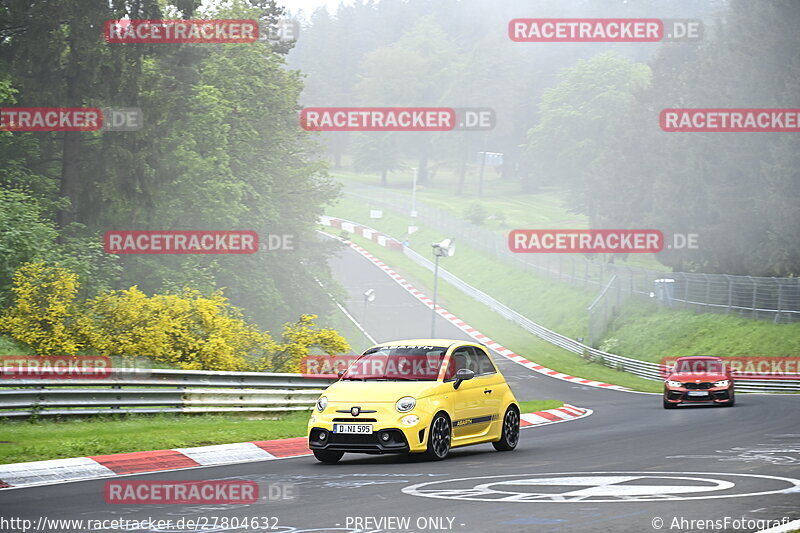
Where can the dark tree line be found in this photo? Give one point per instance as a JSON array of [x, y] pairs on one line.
[[221, 148]]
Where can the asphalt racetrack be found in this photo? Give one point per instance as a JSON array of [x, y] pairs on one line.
[[629, 467]]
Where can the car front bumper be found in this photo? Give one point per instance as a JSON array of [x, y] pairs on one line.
[[678, 395], [389, 434], [389, 440]]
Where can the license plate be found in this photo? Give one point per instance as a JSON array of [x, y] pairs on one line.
[[361, 429], [698, 393]]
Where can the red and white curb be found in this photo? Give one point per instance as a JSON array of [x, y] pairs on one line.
[[450, 317], [102, 466], [553, 416], [19, 475], [363, 231]]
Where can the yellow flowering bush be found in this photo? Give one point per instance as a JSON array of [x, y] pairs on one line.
[[44, 314], [299, 339], [186, 330]]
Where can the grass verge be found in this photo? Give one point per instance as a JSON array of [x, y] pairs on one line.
[[532, 406], [651, 333], [40, 439]]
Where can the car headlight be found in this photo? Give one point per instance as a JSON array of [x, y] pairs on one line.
[[672, 383], [410, 420], [722, 383], [405, 404], [322, 403]]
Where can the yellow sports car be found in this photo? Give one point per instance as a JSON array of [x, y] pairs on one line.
[[416, 396]]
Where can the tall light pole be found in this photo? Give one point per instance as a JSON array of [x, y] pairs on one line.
[[446, 248]]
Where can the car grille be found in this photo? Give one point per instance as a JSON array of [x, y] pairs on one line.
[[354, 420], [355, 442], [698, 386], [354, 438]]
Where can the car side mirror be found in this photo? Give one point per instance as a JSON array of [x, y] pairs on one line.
[[340, 373], [463, 375]]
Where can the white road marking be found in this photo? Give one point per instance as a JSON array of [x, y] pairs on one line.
[[602, 487]]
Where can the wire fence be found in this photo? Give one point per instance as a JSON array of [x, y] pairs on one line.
[[765, 298], [604, 309]]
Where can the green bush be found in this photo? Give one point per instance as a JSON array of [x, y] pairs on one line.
[[476, 213]]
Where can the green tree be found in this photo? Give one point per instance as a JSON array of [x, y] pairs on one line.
[[576, 117], [737, 191], [25, 236], [377, 152]]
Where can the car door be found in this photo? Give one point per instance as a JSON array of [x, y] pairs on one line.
[[492, 382], [472, 404]]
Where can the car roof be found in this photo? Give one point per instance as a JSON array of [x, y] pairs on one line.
[[439, 343]]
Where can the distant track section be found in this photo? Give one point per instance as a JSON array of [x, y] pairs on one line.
[[644, 369]]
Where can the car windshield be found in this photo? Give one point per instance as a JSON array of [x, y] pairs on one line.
[[699, 366], [397, 363]]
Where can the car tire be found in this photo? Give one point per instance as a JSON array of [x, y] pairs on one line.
[[439, 437], [669, 405], [329, 457], [510, 434]]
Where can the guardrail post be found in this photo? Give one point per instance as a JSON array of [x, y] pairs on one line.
[[118, 387], [780, 301], [685, 291], [730, 292]]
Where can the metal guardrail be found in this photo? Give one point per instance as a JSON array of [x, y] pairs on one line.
[[160, 391]]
